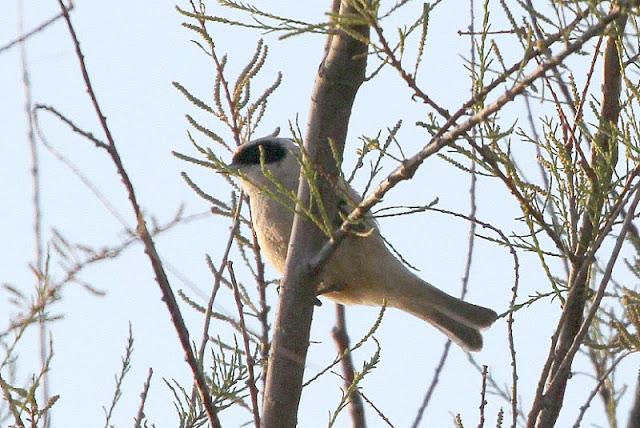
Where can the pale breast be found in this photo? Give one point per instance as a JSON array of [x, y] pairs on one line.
[[273, 227]]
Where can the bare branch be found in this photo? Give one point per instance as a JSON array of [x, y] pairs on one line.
[[143, 399], [341, 338], [432, 385], [483, 398], [247, 348], [601, 380], [218, 279], [150, 249]]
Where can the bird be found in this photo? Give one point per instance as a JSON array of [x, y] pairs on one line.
[[362, 270]]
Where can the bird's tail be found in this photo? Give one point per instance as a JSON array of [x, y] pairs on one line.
[[459, 320]]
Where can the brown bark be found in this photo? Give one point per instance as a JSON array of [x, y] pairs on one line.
[[339, 77]]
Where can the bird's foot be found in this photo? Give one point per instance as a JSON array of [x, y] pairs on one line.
[[324, 289], [332, 288]]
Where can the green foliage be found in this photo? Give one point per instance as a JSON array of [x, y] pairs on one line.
[[629, 331], [22, 402], [263, 20]]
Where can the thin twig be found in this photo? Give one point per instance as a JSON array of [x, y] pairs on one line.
[[341, 338], [263, 314], [235, 128], [496, 389], [545, 177], [23, 37], [119, 378], [511, 339], [577, 341], [377, 410], [606, 389], [75, 128], [111, 252], [143, 399], [556, 73], [601, 380], [35, 166], [530, 54], [217, 280], [78, 173], [483, 392], [253, 389], [432, 385], [578, 272], [359, 344], [510, 320], [20, 323]]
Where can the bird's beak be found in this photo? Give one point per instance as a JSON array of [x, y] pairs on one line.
[[228, 169], [231, 168]]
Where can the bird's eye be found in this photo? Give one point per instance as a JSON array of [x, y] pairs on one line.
[[273, 152]]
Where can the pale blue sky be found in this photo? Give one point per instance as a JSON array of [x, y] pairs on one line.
[[134, 50]]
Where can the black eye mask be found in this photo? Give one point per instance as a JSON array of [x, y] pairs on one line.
[[250, 155]]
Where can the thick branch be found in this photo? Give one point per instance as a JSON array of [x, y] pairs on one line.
[[339, 77]]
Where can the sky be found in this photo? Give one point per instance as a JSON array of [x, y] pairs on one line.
[[134, 51]]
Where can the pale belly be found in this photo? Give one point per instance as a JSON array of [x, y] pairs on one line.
[[352, 274]]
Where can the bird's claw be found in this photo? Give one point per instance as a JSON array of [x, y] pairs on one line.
[[324, 289]]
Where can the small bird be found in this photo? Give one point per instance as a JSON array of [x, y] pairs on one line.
[[362, 270]]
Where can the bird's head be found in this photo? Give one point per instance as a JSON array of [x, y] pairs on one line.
[[259, 162]]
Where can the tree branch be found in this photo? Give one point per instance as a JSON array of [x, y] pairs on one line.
[[251, 381], [341, 337], [340, 75]]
